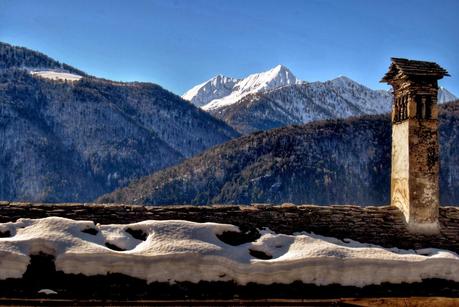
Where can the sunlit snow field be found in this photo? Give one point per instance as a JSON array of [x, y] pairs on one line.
[[55, 75]]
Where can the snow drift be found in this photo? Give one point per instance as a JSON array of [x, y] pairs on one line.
[[173, 251]]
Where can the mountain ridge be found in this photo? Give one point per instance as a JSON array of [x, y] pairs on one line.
[[238, 88], [22, 57], [294, 101], [279, 71], [339, 161], [74, 140]]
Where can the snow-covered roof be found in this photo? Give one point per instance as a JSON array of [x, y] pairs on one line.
[[170, 251]]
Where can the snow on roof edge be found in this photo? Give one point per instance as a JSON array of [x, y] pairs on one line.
[[188, 251]]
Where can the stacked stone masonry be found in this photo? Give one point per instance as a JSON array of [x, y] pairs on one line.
[[383, 226], [415, 150]]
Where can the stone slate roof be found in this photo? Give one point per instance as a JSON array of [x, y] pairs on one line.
[[384, 225], [400, 66]]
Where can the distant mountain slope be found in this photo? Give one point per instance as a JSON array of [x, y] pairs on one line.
[[73, 141], [328, 162], [276, 98], [20, 57], [302, 103]]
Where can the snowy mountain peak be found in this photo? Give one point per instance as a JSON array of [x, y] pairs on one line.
[[271, 79], [343, 81], [222, 91], [445, 96], [215, 88], [282, 71], [343, 78], [280, 67], [221, 79]]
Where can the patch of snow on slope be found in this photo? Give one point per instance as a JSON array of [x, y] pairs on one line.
[[187, 251], [56, 75], [255, 83]]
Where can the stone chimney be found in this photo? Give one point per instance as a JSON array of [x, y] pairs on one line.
[[415, 151]]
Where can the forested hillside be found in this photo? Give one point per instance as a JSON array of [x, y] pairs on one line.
[[327, 162], [75, 140]]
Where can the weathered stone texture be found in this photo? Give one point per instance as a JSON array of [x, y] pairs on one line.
[[384, 226], [415, 154], [400, 167]]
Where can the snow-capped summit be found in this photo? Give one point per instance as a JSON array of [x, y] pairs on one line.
[[215, 88], [268, 80], [445, 96], [295, 101], [342, 81], [223, 91]]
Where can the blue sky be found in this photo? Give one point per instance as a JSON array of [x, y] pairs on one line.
[[178, 44]]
